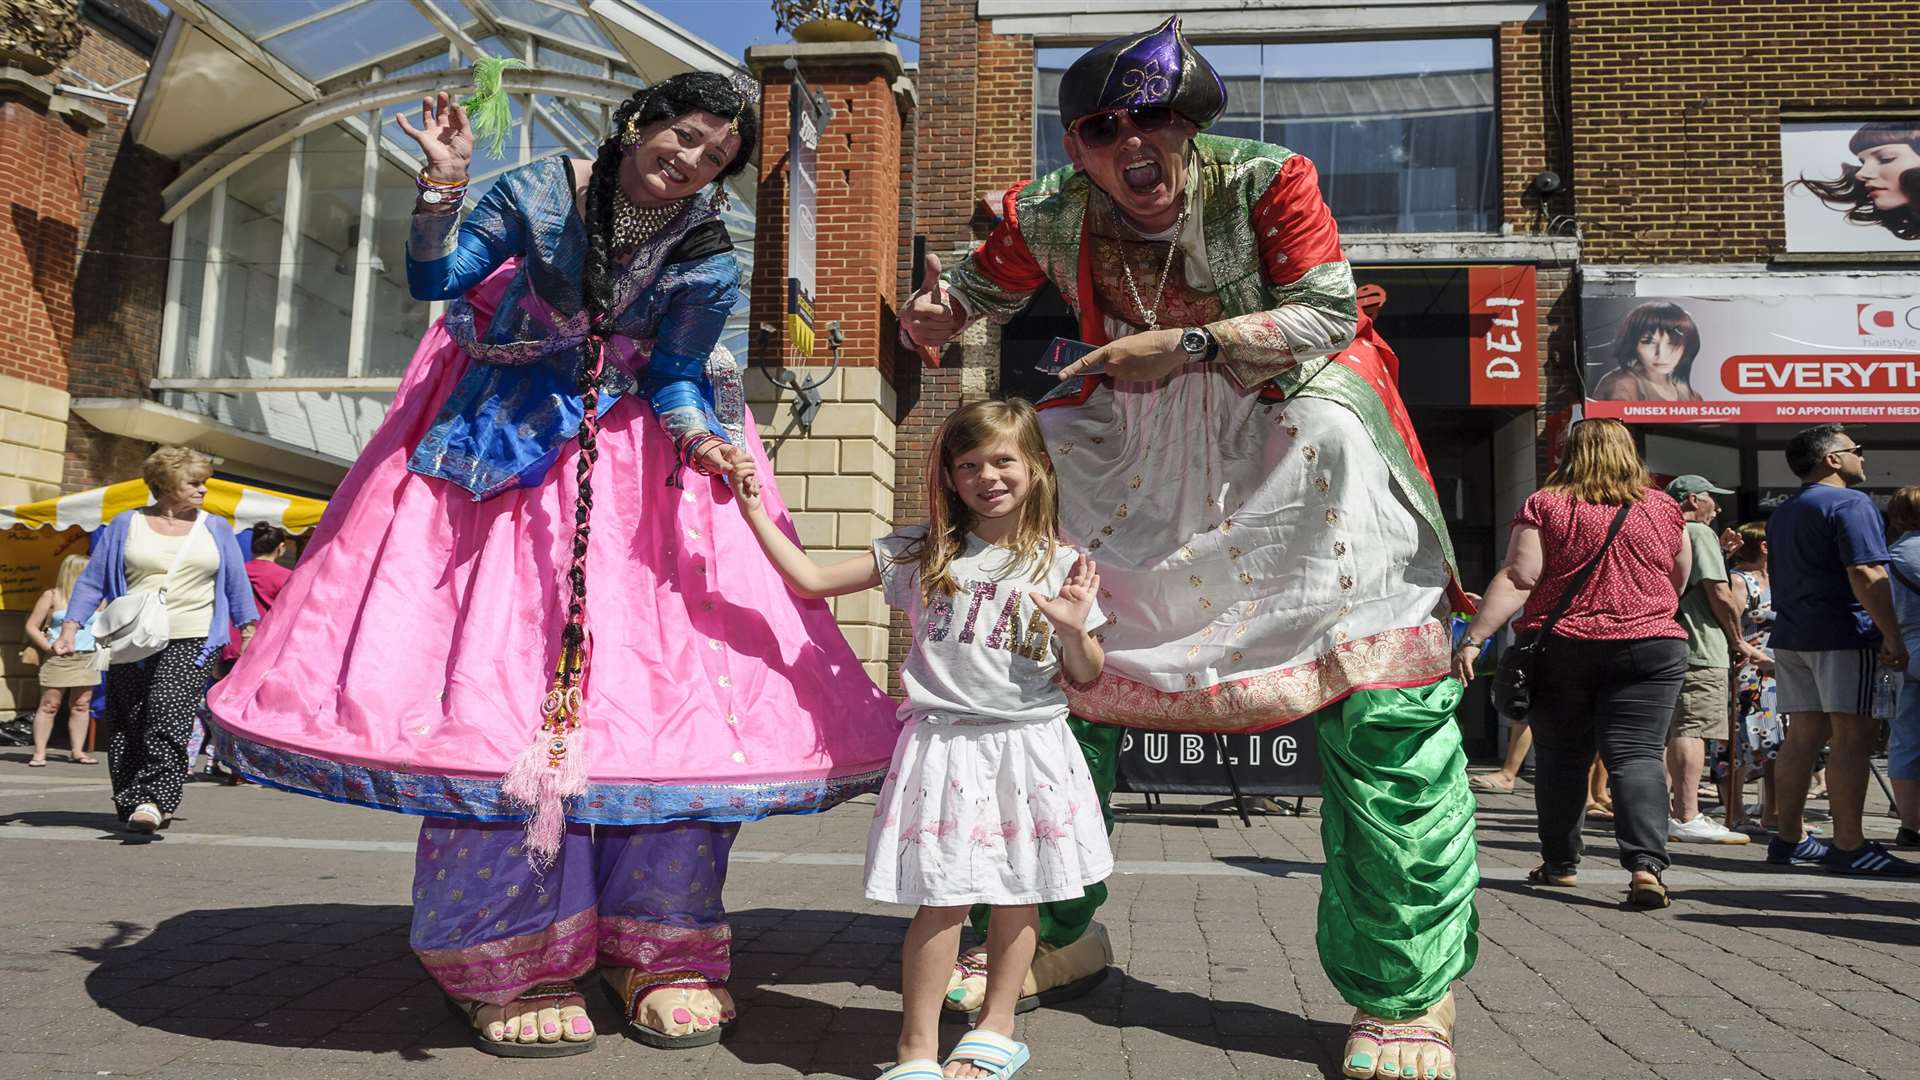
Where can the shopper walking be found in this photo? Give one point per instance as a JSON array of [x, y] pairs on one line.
[[191, 558], [1601, 556]]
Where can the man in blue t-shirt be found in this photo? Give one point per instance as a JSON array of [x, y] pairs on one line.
[[1833, 630]]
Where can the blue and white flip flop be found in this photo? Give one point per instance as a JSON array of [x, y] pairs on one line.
[[999, 1055], [917, 1069]]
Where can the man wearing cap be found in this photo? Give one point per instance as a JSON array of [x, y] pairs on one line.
[[1237, 459], [1705, 708]]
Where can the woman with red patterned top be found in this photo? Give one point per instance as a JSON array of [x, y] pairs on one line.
[[1617, 654]]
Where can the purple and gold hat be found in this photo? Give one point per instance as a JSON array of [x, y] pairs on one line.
[[1157, 68]]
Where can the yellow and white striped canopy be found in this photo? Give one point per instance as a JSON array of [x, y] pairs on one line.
[[242, 504]]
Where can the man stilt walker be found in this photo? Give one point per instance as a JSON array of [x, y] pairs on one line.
[[1237, 458]]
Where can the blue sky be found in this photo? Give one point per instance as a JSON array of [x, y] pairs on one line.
[[735, 24]]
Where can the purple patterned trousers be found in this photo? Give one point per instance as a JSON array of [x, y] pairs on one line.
[[488, 928]]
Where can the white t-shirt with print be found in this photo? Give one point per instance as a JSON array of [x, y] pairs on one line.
[[985, 653]]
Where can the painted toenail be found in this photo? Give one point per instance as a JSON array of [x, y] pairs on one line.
[[957, 994], [581, 1025], [682, 1016], [1390, 1068], [551, 1028], [1360, 1060]]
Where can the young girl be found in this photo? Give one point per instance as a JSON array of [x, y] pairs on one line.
[[988, 799], [74, 675]]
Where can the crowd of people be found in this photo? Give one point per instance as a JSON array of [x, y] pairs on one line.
[[1690, 663]]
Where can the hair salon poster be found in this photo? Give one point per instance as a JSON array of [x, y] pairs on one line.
[[1851, 184], [1802, 350]]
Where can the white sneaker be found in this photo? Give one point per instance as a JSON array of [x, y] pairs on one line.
[[145, 818], [1703, 831]]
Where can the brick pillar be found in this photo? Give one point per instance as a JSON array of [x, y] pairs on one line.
[[838, 475], [43, 155]]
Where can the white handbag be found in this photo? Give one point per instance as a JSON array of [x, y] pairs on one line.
[[134, 627]]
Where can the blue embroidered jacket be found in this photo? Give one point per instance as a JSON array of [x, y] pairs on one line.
[[517, 406]]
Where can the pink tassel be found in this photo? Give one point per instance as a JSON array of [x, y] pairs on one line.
[[552, 769]]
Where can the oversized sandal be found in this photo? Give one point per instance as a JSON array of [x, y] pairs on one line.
[[654, 1037], [1092, 951], [1000, 1056], [1358, 1062], [514, 1048]]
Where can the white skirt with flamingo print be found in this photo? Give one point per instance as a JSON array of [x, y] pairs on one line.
[[981, 812]]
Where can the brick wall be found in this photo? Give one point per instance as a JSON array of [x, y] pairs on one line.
[[43, 155], [944, 181], [1530, 62], [1003, 94], [858, 199], [120, 283], [1677, 105]]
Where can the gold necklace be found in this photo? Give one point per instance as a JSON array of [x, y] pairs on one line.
[[634, 225], [1152, 314]]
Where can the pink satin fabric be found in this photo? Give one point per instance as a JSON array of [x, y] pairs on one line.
[[420, 631]]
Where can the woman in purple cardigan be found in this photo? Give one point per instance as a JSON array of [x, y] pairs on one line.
[[151, 703]]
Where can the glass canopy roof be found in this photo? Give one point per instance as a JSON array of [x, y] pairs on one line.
[[326, 40]]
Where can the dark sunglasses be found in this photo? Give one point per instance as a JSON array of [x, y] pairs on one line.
[[1101, 129], [1857, 450]]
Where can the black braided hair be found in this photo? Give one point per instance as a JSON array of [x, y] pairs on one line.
[[694, 91]]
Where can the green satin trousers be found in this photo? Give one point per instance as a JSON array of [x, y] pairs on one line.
[[1397, 922]]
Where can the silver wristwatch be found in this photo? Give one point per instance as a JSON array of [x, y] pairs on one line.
[[1198, 344], [434, 196]]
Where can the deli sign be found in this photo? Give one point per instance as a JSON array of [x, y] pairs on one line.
[[1465, 334], [1800, 350]]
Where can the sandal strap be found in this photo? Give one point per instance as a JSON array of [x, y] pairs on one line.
[[1417, 1033], [985, 1049], [548, 991], [640, 994], [1375, 1032], [917, 1069], [1370, 1030]]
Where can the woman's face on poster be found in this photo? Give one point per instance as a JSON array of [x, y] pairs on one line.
[[1880, 170], [1659, 353]]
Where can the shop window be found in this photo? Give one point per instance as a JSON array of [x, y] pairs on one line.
[[1402, 132]]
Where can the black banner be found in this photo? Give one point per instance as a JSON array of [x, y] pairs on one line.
[[1284, 761]]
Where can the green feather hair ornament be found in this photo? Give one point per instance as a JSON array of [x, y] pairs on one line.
[[488, 109]]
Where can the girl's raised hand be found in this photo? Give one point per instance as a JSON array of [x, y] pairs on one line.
[[1068, 611], [444, 135]]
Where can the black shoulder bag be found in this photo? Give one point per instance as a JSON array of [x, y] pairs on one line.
[[1513, 682]]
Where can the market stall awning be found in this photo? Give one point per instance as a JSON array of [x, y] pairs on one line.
[[242, 504]]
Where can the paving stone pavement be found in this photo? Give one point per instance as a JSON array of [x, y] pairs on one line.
[[264, 936]]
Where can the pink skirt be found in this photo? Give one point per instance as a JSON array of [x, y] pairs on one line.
[[405, 662]]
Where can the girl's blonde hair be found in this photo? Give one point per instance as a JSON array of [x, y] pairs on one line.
[[1035, 536], [171, 468], [71, 568], [1601, 465]]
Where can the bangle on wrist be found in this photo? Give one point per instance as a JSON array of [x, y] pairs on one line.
[[427, 179]]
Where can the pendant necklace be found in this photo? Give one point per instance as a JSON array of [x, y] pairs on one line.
[[1152, 314]]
